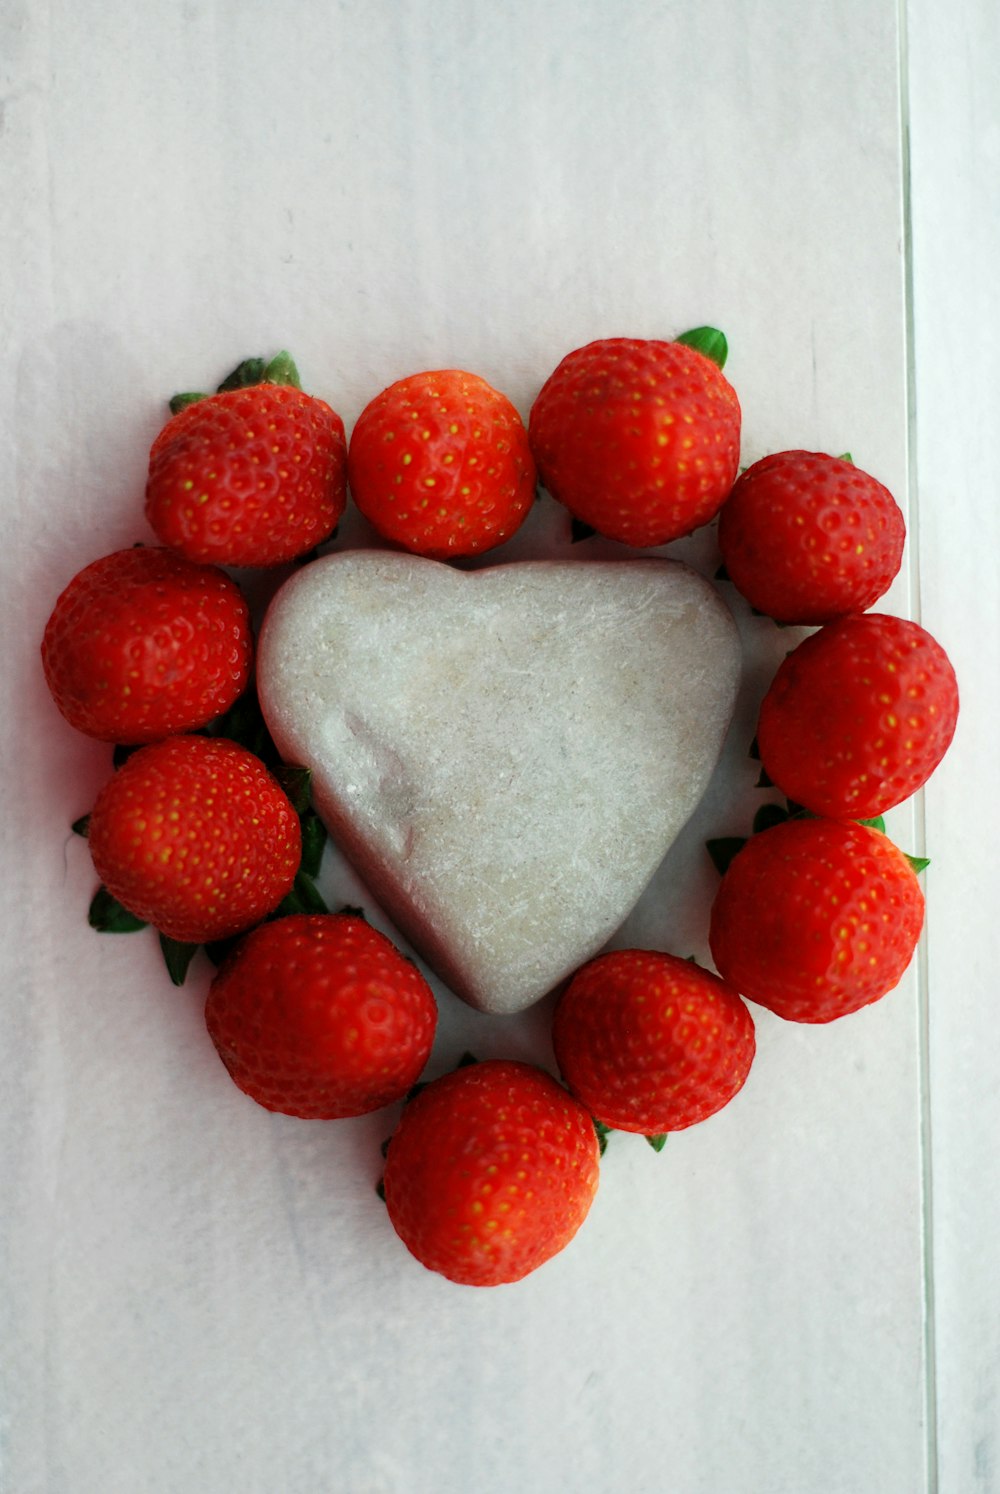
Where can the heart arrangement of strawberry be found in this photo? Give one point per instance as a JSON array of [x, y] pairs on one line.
[[205, 834]]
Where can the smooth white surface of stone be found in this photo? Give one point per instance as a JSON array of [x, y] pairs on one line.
[[504, 754]]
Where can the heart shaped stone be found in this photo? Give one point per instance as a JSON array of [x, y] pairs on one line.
[[505, 754]]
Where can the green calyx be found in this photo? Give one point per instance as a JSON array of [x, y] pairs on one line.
[[181, 401], [709, 341], [725, 848], [107, 915], [177, 956], [280, 369]]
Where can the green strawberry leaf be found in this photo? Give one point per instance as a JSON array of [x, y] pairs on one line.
[[707, 340], [251, 371], [763, 781], [244, 723], [919, 863], [218, 950], [304, 897], [754, 751], [177, 956], [580, 531], [107, 915], [724, 849], [845, 456], [767, 816], [380, 1189], [296, 783], [658, 1141], [282, 370], [81, 826], [878, 823], [121, 754], [603, 1132], [314, 839], [722, 574], [179, 402]]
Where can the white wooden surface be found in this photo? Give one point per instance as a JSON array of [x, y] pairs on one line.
[[201, 1297]]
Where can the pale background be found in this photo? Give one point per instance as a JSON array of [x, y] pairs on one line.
[[799, 1297]]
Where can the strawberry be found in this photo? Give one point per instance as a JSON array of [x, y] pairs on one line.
[[640, 440], [439, 464], [651, 1043], [808, 538], [194, 836], [858, 716], [490, 1172], [253, 475], [815, 918], [320, 1016], [143, 643]]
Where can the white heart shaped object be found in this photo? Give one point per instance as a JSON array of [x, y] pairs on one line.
[[506, 754]]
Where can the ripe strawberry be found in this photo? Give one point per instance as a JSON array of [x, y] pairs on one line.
[[490, 1172], [639, 439], [858, 716], [439, 463], [651, 1043], [143, 643], [319, 1015], [253, 475], [194, 836], [808, 538], [816, 918]]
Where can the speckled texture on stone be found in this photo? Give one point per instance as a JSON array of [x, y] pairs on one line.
[[505, 754]]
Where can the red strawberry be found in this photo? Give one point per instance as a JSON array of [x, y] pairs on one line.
[[319, 1015], [816, 918], [251, 476], [858, 716], [439, 463], [639, 439], [194, 836], [490, 1172], [808, 538], [652, 1043], [142, 644]]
